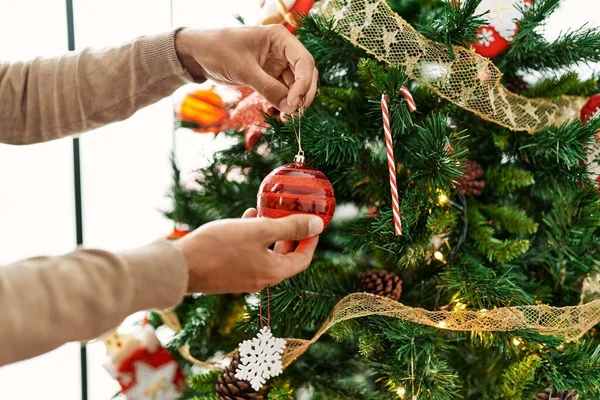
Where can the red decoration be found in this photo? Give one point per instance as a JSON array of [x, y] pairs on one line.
[[591, 110], [178, 233], [284, 12], [296, 189], [143, 368], [493, 39], [205, 108], [247, 116], [598, 180]]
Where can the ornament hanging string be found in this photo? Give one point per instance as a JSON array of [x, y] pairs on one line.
[[299, 158], [389, 144], [260, 310]]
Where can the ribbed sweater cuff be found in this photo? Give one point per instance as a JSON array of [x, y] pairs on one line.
[[159, 57], [160, 274]]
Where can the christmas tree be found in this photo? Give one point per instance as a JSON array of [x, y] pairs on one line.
[[498, 205]]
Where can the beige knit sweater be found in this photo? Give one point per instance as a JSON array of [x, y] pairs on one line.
[[45, 302]]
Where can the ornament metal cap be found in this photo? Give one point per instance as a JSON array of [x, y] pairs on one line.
[[299, 158]]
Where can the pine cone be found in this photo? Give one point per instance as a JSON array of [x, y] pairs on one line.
[[231, 388], [471, 183], [548, 395], [382, 283], [516, 84]]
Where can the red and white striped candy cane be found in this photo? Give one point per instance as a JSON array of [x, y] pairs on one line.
[[389, 144], [409, 99]]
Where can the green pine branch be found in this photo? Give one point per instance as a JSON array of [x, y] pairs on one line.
[[510, 219], [529, 50], [577, 368], [507, 178], [304, 301], [204, 384], [568, 84], [453, 25], [435, 154], [335, 57], [483, 236], [479, 286], [518, 376]]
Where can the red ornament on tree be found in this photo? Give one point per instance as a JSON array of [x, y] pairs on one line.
[[144, 369], [591, 110], [284, 12], [296, 189], [495, 38]]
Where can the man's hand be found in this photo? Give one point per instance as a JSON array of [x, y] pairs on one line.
[[268, 59], [233, 256]]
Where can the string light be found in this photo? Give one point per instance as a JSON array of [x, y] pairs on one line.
[[459, 306], [443, 199], [439, 256], [401, 392], [442, 324], [516, 341]]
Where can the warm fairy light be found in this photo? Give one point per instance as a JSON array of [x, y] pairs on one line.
[[442, 324], [443, 199], [401, 392], [459, 306], [483, 310], [438, 255], [516, 341]]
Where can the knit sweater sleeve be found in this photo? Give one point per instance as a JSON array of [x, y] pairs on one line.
[[47, 301], [49, 98]]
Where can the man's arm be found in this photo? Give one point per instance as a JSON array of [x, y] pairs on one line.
[[49, 98], [47, 301]]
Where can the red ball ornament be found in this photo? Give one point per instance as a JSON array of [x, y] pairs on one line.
[[495, 38], [296, 189], [591, 110]]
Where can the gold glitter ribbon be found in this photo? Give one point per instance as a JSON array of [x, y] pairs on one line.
[[569, 323], [466, 79]]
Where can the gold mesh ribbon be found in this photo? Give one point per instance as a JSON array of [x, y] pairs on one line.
[[569, 323], [468, 80]]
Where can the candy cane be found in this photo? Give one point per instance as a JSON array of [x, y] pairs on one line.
[[409, 99], [389, 144]]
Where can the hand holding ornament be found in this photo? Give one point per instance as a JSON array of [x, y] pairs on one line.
[[233, 256]]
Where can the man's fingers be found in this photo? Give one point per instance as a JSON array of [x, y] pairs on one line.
[[293, 227], [301, 63], [303, 78], [288, 77], [310, 96], [250, 213], [284, 246], [271, 89], [297, 261]]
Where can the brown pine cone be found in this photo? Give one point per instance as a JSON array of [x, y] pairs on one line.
[[231, 388], [382, 283], [548, 395], [516, 84], [472, 183]]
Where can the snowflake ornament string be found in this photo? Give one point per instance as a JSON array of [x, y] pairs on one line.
[[260, 358]]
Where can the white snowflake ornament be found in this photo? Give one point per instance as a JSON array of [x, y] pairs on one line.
[[260, 358]]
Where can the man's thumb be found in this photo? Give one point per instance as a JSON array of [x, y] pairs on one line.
[[294, 227]]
